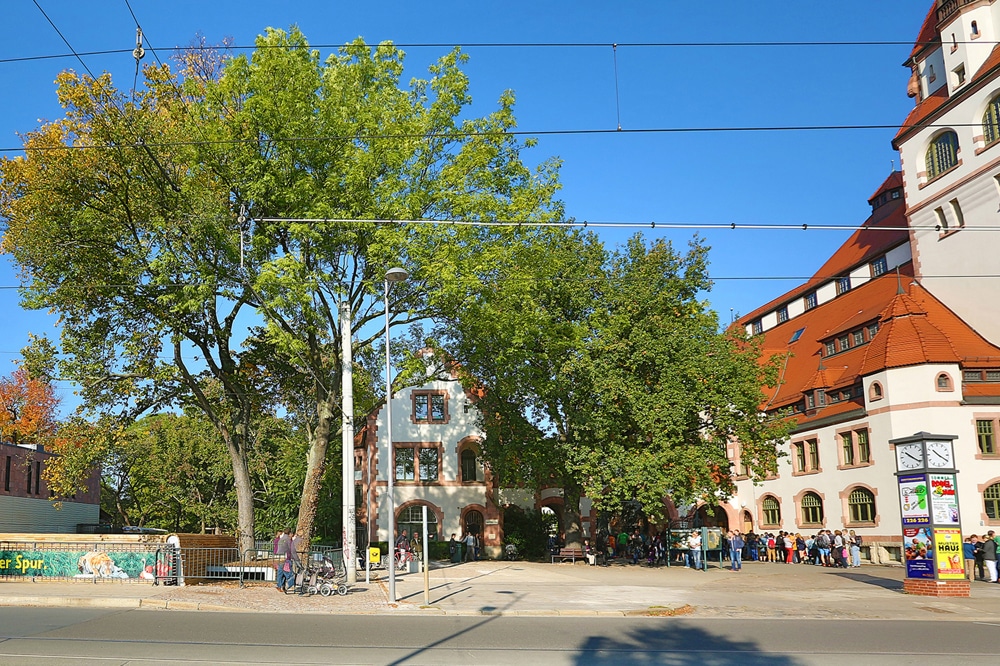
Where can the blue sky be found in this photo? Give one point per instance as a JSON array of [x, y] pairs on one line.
[[786, 177]]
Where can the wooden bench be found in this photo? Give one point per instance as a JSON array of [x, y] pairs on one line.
[[570, 554]]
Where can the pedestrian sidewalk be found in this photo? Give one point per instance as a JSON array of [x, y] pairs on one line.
[[760, 590]]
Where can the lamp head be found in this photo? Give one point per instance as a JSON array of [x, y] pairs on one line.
[[396, 275]]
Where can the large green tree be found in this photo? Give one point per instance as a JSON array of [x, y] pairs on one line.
[[608, 376], [158, 224]]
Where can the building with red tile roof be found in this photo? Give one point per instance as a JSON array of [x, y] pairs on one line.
[[868, 354]]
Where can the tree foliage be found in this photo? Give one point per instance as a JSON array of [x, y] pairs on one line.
[[608, 375], [27, 409], [157, 224]]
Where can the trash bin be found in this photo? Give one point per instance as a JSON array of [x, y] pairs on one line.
[[456, 555]]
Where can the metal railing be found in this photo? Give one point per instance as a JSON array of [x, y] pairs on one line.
[[186, 566], [160, 564]]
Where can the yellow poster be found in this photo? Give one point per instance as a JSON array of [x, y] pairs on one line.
[[948, 556]]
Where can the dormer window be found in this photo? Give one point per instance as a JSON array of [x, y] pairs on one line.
[[782, 315], [809, 300], [931, 76], [879, 266], [843, 285], [757, 326]]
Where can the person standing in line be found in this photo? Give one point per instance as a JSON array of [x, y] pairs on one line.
[[694, 548], [470, 546], [454, 549], [990, 557], [969, 556], [855, 544], [736, 544], [977, 549]]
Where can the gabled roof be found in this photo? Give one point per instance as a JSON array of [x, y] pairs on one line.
[[928, 32], [860, 306], [884, 230], [914, 329], [894, 181]]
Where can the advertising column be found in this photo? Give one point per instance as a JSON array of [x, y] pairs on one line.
[[928, 507]]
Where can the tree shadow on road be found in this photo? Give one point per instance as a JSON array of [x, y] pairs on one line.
[[892, 584], [669, 641]]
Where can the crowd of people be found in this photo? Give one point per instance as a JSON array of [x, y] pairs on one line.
[[980, 553], [828, 548]]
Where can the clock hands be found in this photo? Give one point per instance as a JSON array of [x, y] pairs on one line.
[[934, 451]]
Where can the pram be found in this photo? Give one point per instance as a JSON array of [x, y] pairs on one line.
[[320, 577]]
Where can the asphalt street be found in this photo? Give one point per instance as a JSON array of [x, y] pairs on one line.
[[75, 636]]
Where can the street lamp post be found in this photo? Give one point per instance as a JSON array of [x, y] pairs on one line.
[[392, 275]]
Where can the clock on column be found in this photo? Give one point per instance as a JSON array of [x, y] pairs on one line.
[[940, 455], [909, 456]]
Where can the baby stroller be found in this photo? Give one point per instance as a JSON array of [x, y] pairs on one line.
[[325, 578]]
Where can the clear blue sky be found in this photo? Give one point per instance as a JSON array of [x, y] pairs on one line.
[[788, 177]]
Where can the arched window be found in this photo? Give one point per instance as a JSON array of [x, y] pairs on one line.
[[471, 469], [411, 519], [812, 509], [772, 511], [943, 382], [942, 154], [474, 522], [991, 500], [875, 392], [991, 121], [861, 505]]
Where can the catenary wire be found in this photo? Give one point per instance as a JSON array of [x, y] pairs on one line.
[[520, 45]]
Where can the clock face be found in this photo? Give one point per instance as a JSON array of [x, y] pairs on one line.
[[909, 456], [939, 454]]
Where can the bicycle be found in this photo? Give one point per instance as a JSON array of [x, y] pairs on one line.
[[403, 559]]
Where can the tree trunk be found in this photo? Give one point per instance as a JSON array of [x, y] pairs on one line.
[[244, 495], [315, 467], [571, 519]]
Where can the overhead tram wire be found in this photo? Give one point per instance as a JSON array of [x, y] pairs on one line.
[[521, 45], [518, 133], [586, 224]]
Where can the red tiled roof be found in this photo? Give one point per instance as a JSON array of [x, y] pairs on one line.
[[865, 244], [894, 181], [920, 112], [928, 32], [914, 328], [907, 336], [926, 107], [864, 304]]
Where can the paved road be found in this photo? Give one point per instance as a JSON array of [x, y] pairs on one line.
[[74, 635]]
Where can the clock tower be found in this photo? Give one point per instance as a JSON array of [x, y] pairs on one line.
[[928, 503]]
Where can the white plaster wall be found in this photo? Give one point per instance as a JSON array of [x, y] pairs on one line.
[[909, 414], [934, 62], [462, 423]]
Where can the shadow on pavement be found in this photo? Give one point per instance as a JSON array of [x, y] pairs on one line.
[[885, 583], [672, 642]]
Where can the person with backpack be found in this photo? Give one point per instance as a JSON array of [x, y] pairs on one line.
[[736, 544], [855, 544], [823, 546]]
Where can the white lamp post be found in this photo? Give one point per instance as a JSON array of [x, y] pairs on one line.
[[392, 275]]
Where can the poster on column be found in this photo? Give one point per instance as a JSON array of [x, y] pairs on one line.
[[948, 553], [918, 551], [944, 500], [913, 499]]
